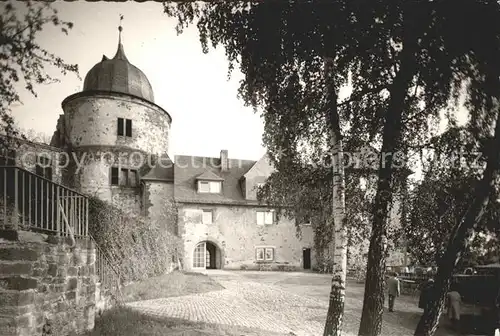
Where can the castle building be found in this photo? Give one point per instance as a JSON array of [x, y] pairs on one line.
[[119, 138]]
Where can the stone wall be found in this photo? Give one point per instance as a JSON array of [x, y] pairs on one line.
[[28, 153], [236, 234], [45, 283], [91, 119]]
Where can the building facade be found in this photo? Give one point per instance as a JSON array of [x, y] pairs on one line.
[[223, 225], [112, 142]]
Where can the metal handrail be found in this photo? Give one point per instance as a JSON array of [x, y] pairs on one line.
[[68, 226], [37, 203], [105, 257], [43, 178]]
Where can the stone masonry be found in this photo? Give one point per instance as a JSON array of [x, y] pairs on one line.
[[47, 286], [235, 233]]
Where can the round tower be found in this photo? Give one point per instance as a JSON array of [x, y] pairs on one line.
[[113, 128]]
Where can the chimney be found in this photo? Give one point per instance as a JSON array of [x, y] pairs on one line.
[[224, 162]]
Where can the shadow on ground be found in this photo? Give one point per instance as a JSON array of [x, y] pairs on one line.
[[122, 321]]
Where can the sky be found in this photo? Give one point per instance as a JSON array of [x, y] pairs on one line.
[[191, 86]]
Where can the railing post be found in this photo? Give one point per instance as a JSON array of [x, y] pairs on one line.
[[66, 210], [30, 199], [41, 204], [4, 197], [47, 199], [16, 199], [86, 216], [78, 215], [58, 212], [36, 201], [72, 207], [23, 197]]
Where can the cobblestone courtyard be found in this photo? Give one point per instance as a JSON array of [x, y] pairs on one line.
[[279, 302]]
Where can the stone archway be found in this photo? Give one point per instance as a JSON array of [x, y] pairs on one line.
[[207, 255]]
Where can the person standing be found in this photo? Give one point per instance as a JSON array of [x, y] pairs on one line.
[[454, 302], [393, 289], [425, 294]]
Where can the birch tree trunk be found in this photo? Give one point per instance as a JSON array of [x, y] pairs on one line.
[[334, 318], [461, 233], [373, 301]]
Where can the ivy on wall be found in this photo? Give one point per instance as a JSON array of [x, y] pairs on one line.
[[137, 247]]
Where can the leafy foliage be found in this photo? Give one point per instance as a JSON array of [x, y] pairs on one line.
[[405, 60], [138, 248], [22, 60], [442, 198], [305, 191]]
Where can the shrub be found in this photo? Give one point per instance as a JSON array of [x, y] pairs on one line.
[[137, 247]]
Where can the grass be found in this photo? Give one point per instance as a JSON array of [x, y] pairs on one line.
[[122, 321], [169, 285]]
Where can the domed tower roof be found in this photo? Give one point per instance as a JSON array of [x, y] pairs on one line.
[[118, 75]]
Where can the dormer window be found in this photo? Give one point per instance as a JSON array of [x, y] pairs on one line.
[[212, 187]]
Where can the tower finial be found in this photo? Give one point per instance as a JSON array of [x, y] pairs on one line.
[[120, 54], [120, 28]]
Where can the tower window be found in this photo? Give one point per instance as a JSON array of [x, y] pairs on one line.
[[123, 177], [114, 176], [124, 127], [128, 127]]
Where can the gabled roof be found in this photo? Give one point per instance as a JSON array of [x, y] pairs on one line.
[[163, 172], [264, 157], [208, 175], [189, 168]]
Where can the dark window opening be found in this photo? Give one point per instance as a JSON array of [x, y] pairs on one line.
[[114, 176], [128, 128], [124, 177], [124, 127], [120, 126]]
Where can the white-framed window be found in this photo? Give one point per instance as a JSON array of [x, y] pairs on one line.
[[207, 217], [212, 187], [269, 254], [264, 253], [265, 217]]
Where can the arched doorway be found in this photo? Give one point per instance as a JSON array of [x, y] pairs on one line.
[[206, 255]]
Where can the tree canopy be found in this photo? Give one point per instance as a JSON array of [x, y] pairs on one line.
[[404, 60], [440, 201], [24, 62]]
